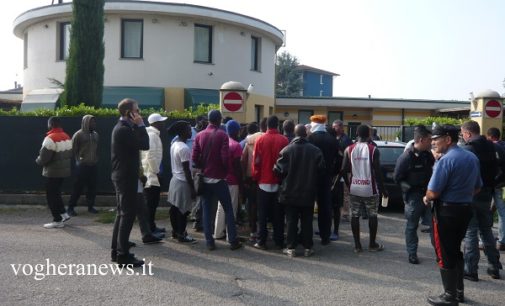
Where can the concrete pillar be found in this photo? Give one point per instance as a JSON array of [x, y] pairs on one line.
[[487, 110]]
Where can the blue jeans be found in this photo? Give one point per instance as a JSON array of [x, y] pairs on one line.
[[500, 208], [414, 210], [481, 222], [222, 193]]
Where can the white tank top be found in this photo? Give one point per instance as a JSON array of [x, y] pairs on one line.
[[362, 180]]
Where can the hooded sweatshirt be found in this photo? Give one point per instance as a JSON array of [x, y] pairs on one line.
[[85, 143]]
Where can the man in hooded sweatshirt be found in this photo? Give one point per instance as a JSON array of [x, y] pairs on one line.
[[84, 148]]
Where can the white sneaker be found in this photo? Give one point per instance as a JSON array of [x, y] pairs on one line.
[[289, 252], [54, 224], [308, 252], [64, 217]]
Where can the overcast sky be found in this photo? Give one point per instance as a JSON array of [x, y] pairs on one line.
[[422, 49]]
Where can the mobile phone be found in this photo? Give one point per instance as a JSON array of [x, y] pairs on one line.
[[130, 115]]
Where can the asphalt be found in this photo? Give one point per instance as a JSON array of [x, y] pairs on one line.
[[191, 275]]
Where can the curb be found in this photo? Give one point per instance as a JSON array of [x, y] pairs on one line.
[[40, 199]]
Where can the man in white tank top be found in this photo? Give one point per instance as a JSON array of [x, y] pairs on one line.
[[365, 183]]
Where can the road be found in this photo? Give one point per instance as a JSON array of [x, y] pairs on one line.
[[191, 275]]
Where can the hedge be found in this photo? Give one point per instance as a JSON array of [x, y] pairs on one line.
[[81, 110]]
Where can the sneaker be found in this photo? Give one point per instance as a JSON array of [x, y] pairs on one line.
[[426, 229], [211, 246], [290, 252], [64, 217], [92, 210], [494, 273], [151, 239], [54, 224], [474, 277], [253, 238], [131, 244], [376, 248], [325, 241], [308, 252], [334, 237], [160, 230], [71, 212], [413, 259], [260, 246], [235, 245], [187, 239]]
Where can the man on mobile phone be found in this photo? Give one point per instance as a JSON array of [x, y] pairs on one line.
[[129, 136]]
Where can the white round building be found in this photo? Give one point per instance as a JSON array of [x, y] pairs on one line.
[[162, 54]]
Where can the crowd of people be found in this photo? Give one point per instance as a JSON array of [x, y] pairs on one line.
[[281, 178]]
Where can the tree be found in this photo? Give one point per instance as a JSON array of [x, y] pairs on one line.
[[84, 78], [288, 81]]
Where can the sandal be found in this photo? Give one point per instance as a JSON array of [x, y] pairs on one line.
[[377, 248]]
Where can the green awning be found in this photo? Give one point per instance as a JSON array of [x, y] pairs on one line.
[[146, 96], [195, 96]]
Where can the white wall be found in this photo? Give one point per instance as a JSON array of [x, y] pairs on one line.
[[167, 55]]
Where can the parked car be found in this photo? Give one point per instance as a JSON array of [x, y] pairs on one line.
[[389, 153]]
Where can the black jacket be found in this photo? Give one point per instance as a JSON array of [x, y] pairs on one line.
[[127, 141], [486, 153], [329, 147], [300, 166], [413, 169]]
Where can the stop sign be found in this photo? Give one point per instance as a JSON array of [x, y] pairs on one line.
[[233, 101], [493, 108]]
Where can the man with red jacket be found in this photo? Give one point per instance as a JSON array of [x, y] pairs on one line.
[[265, 154]]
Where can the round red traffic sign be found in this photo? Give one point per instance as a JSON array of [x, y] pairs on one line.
[[233, 101], [493, 108]]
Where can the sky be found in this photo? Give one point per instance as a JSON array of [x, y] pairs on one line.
[[415, 49]]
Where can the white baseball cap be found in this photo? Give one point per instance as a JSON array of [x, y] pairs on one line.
[[155, 118]]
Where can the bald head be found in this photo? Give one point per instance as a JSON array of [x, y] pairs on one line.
[[300, 131]]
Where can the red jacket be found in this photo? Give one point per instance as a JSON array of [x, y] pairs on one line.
[[266, 153]]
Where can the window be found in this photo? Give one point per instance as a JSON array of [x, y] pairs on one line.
[[304, 116], [64, 33], [203, 43], [332, 116], [255, 53], [132, 36], [25, 51]]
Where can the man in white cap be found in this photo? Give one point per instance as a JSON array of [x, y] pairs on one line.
[[151, 162]]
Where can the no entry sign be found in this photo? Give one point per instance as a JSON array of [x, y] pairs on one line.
[[493, 108], [233, 101]]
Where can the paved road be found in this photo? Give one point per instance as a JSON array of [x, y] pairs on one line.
[[191, 275]]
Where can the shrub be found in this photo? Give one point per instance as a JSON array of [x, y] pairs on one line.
[[81, 110]]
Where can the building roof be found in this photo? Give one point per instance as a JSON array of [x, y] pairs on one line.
[[40, 14], [370, 103], [316, 70]]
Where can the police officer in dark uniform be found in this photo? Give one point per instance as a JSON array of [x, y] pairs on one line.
[[455, 180], [413, 171]]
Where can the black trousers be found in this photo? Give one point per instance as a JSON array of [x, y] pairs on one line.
[[85, 177], [53, 196], [324, 208], [178, 221], [267, 201], [141, 211], [304, 215], [449, 228], [252, 204], [152, 194], [126, 198]]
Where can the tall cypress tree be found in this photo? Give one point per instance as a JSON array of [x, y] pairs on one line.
[[84, 79]]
